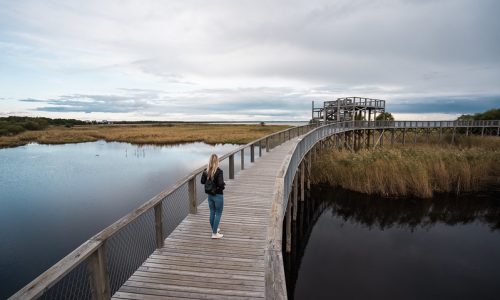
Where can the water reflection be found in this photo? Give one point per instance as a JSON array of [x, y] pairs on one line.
[[351, 246], [54, 197]]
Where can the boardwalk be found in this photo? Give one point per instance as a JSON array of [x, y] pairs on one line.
[[134, 259], [193, 266]]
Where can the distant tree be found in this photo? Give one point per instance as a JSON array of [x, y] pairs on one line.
[[385, 116], [492, 114], [465, 118], [262, 123]]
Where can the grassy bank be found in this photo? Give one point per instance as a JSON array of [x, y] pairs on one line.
[[417, 170], [144, 134]]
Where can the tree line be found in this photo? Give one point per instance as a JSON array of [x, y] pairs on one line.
[[14, 125], [492, 114]]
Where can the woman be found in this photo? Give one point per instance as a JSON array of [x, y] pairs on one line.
[[213, 180]]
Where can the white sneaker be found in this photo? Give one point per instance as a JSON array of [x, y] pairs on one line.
[[217, 235]]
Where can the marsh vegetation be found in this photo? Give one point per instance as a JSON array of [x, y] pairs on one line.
[[420, 170], [155, 134]]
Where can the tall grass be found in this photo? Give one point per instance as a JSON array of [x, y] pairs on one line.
[[418, 170], [144, 134]]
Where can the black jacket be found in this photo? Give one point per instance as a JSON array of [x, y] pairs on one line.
[[219, 180]]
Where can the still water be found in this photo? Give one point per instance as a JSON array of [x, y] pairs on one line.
[[54, 197], [352, 246]]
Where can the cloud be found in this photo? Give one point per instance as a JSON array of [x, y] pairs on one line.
[[236, 58], [450, 105]]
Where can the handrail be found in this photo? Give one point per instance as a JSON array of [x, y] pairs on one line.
[[49, 278], [275, 283]]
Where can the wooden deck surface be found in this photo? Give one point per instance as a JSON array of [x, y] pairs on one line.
[[191, 265]]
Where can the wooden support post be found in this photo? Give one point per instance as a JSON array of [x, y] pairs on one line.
[[482, 131], [260, 148], [231, 166], [193, 206], [302, 180], [295, 195], [467, 131], [242, 155], [252, 153], [309, 172], [498, 131], [98, 274], [159, 225], [267, 144], [453, 135], [288, 220]]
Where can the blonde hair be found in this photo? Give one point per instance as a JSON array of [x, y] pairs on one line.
[[213, 164]]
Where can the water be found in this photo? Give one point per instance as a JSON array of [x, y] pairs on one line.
[[54, 197], [352, 246]]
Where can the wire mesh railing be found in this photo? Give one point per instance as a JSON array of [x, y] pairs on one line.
[[419, 124], [275, 276], [98, 268]]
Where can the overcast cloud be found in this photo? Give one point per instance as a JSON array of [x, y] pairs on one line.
[[246, 60]]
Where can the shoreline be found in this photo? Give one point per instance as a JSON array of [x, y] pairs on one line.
[[144, 134]]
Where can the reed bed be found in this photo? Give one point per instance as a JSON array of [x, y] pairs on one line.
[[145, 134], [417, 170]]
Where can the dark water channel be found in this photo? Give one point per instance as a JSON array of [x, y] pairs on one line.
[[55, 197], [352, 246]]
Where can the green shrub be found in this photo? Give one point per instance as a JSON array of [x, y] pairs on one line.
[[15, 129]]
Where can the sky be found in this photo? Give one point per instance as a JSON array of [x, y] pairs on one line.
[[246, 60]]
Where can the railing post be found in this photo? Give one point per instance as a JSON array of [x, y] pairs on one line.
[[302, 180], [260, 148], [159, 225], [242, 155], [295, 195], [231, 166], [98, 274], [193, 207], [252, 153], [267, 144], [288, 220]]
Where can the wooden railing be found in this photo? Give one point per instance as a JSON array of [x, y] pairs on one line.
[[275, 275], [85, 272]]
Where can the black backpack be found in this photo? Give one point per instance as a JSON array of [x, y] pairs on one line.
[[210, 185]]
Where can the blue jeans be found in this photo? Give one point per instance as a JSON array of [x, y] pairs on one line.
[[216, 203]]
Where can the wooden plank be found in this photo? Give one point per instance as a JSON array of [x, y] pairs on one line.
[[170, 287]]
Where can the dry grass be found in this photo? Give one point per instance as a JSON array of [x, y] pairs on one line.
[[418, 170], [145, 134]]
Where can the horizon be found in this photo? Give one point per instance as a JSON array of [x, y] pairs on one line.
[[240, 62]]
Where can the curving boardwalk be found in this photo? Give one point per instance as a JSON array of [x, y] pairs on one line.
[[260, 206], [193, 266]]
